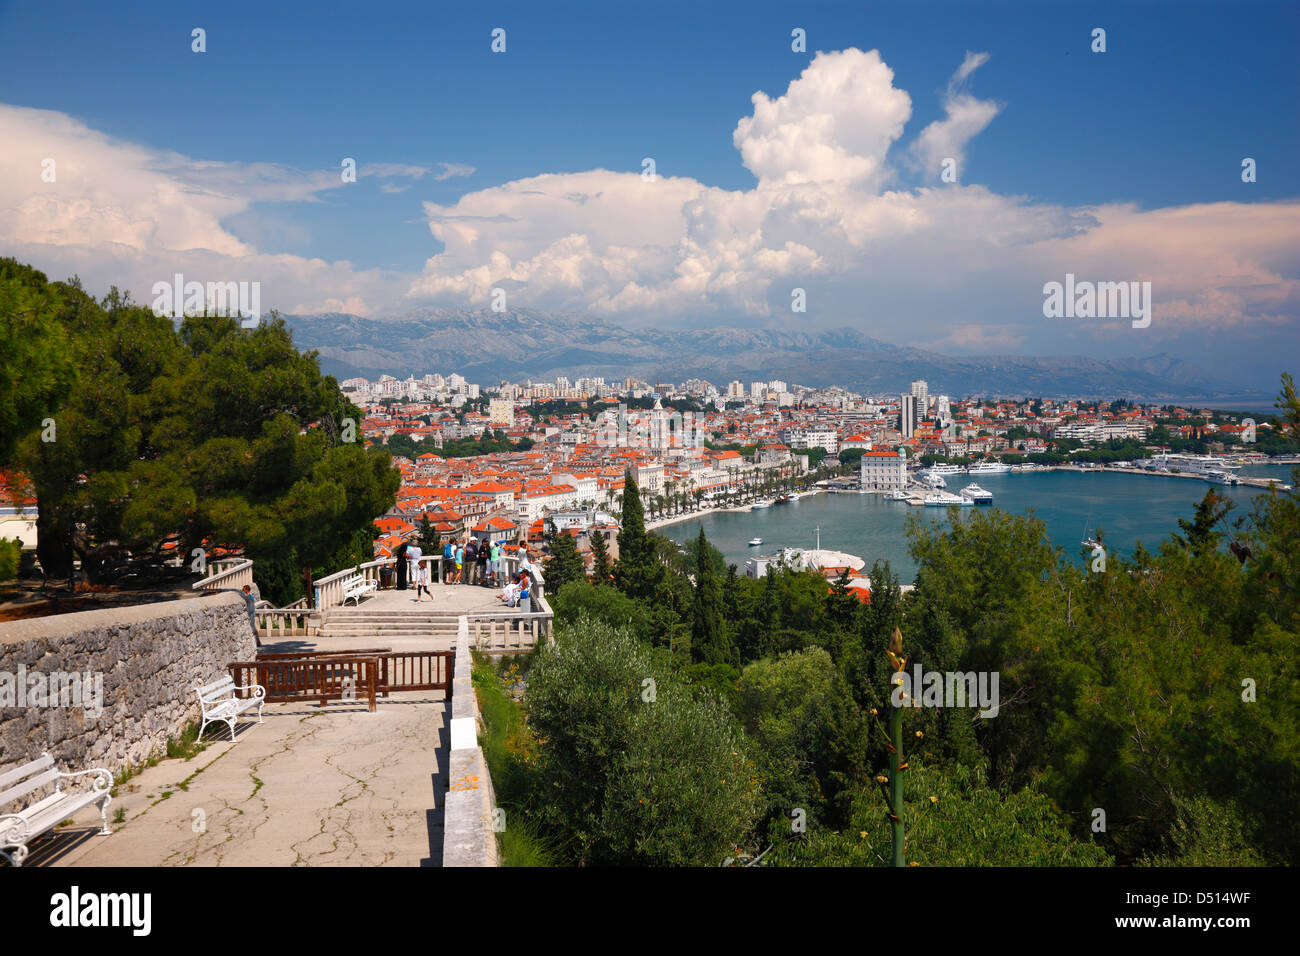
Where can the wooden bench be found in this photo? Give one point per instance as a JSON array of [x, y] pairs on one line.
[[355, 587], [18, 829], [219, 702]]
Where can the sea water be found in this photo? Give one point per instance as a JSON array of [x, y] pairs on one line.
[[1126, 508]]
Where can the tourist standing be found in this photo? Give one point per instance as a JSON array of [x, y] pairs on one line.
[[413, 555], [496, 563], [251, 602], [481, 559], [400, 554], [460, 564], [471, 561]]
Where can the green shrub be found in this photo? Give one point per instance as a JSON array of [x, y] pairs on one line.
[[633, 766], [953, 818], [10, 555], [1207, 833]]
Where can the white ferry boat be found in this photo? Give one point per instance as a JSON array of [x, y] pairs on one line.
[[761, 503], [977, 495], [988, 468], [1194, 464], [942, 470], [942, 499], [1222, 478]]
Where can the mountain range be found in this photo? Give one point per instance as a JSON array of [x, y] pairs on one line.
[[488, 347]]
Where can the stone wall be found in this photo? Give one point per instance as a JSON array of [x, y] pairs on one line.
[[468, 838], [145, 658]]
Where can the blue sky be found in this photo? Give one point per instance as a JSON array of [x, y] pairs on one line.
[[1161, 120]]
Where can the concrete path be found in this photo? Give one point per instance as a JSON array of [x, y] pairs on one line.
[[311, 786], [442, 598]]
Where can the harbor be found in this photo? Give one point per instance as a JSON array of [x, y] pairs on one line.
[[1128, 505]]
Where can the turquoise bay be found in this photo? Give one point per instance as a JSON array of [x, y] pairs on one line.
[[1127, 508]]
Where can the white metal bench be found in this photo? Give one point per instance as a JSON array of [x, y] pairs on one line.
[[219, 702], [356, 586], [18, 829]]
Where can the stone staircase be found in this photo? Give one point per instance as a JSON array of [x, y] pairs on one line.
[[379, 627]]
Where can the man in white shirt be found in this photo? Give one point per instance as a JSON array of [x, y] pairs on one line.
[[413, 555]]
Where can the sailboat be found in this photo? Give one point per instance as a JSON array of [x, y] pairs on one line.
[[1090, 541]]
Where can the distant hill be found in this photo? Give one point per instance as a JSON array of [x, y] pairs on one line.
[[487, 347]]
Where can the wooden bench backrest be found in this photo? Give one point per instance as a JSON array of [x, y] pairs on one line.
[[28, 777]]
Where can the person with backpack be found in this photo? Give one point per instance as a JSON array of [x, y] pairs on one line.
[[481, 560], [471, 562], [448, 562]]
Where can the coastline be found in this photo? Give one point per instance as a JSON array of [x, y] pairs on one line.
[[714, 509]]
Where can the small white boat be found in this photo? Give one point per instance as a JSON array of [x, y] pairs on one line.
[[935, 481], [761, 503], [977, 495], [896, 495], [755, 542]]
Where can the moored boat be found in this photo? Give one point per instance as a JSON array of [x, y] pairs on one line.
[[942, 499]]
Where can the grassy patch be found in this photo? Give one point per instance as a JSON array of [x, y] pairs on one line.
[[183, 747], [511, 753]]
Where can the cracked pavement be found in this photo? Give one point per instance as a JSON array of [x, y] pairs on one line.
[[311, 786]]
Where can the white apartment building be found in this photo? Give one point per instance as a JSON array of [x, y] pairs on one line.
[[586, 486], [921, 390], [536, 502], [800, 436], [501, 411]]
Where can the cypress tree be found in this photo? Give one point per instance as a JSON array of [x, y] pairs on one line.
[[636, 570], [565, 564], [427, 536], [709, 641], [601, 570]]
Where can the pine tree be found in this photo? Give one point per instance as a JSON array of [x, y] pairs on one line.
[[709, 640], [601, 570]]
